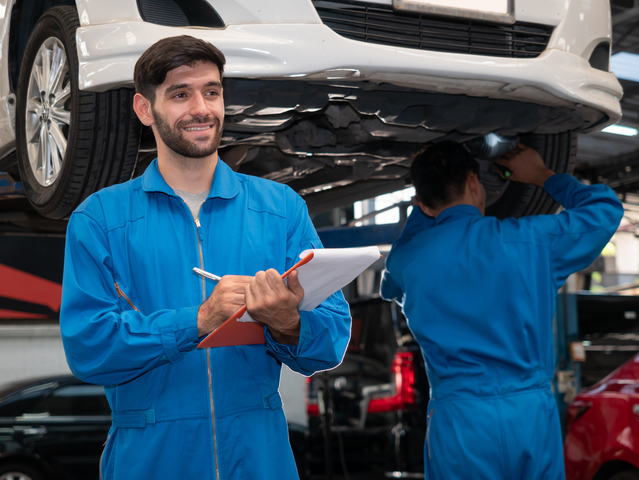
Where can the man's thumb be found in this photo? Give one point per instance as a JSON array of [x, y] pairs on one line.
[[294, 284]]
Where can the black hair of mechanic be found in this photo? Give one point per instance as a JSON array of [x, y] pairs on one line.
[[446, 174]]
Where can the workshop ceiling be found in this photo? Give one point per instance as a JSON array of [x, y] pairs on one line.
[[608, 158]]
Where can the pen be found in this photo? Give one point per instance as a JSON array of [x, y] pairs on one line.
[[206, 274]]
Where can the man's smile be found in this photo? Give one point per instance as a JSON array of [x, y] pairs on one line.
[[198, 128]]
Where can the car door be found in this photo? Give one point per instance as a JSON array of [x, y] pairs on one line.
[[68, 429]]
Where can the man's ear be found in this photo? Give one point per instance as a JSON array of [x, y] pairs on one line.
[[475, 193], [472, 184], [142, 108], [418, 203]]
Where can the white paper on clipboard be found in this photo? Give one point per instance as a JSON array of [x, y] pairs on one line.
[[329, 270]]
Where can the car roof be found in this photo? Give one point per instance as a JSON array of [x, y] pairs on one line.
[[10, 388]]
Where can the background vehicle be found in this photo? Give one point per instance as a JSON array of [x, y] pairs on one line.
[[331, 97], [52, 428], [366, 417], [602, 427], [609, 333]]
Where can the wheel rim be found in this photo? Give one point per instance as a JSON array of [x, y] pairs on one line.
[[14, 476], [494, 185], [48, 114]]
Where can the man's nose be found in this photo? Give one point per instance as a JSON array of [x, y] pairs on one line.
[[198, 105]]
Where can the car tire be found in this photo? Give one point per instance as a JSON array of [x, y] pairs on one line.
[[626, 475], [16, 471], [70, 143], [559, 151]]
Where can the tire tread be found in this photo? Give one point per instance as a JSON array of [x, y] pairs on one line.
[[559, 152], [104, 136]]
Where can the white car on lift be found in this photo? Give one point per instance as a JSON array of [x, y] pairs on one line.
[[331, 97]]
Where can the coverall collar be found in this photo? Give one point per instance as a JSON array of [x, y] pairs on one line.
[[416, 222], [225, 183], [457, 211]]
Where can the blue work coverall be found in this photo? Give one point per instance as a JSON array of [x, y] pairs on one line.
[[128, 320], [479, 296]]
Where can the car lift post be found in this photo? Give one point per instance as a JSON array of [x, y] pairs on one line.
[[326, 411], [566, 382]]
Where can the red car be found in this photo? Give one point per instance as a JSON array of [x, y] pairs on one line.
[[602, 440]]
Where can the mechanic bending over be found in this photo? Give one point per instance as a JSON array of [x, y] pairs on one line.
[[133, 311], [479, 296]]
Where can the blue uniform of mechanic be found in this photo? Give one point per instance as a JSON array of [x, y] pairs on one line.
[[132, 306], [479, 296]]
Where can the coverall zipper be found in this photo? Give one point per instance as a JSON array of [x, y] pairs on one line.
[[208, 354], [122, 294]]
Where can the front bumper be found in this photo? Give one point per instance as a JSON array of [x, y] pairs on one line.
[[313, 52]]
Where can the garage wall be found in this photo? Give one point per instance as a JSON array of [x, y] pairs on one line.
[[627, 252], [30, 351], [293, 392]]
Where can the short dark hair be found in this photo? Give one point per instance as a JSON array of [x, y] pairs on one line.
[[169, 54], [440, 172]]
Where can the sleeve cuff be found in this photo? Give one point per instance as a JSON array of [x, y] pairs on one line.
[[557, 182], [290, 351], [280, 349], [182, 337]]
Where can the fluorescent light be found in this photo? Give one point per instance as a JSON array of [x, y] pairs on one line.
[[625, 65], [621, 130]]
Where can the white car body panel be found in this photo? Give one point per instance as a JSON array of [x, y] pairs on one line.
[[108, 53], [256, 48], [91, 12], [238, 12], [287, 40], [7, 123], [7, 98], [583, 16]]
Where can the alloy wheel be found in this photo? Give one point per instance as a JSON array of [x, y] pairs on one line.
[[14, 476], [48, 114]]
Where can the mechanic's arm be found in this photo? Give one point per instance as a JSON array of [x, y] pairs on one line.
[[578, 234], [525, 165], [106, 340], [305, 341], [418, 221], [389, 289]]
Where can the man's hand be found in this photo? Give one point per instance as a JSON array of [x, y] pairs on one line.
[[226, 299], [270, 301], [526, 165]]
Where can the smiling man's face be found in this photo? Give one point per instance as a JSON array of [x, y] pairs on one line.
[[188, 110]]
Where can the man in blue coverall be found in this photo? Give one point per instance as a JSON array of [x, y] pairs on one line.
[[479, 296], [133, 311]]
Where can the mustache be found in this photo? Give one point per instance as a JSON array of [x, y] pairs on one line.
[[198, 121]]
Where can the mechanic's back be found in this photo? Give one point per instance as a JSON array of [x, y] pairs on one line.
[[479, 295]]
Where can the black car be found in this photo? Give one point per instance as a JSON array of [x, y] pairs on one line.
[[367, 417], [608, 331], [52, 428]]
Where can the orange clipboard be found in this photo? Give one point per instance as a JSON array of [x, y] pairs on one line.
[[232, 333]]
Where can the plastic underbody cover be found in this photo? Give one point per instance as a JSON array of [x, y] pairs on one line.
[[363, 130]]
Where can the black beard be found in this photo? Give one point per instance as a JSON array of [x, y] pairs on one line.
[[174, 139]]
